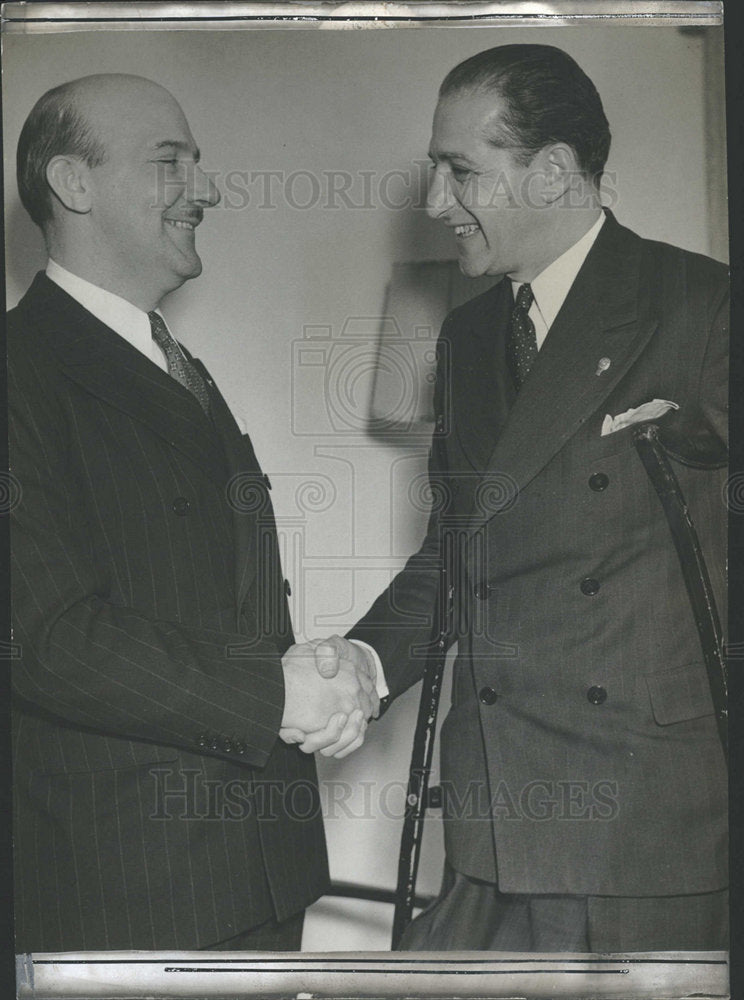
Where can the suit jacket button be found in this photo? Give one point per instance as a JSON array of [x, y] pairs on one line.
[[596, 695], [201, 740], [481, 590], [287, 588], [227, 746], [240, 747], [589, 586], [214, 745], [598, 482], [181, 506], [487, 695]]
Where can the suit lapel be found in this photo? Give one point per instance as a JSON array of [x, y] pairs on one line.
[[605, 315], [105, 365], [482, 387], [246, 490]]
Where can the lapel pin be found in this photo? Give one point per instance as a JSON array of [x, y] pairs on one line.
[[602, 365]]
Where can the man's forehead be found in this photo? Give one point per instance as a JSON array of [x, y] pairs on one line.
[[127, 95], [462, 122], [471, 106], [152, 119]]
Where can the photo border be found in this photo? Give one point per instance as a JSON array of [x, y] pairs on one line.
[[34, 970]]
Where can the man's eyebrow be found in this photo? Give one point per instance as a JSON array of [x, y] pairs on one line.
[[180, 145], [435, 157]]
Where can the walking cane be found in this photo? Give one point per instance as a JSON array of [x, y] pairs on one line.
[[419, 796], [654, 457]]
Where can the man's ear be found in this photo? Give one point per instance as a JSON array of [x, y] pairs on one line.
[[561, 170], [68, 177]]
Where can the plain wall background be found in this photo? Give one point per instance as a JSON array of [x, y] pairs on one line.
[[320, 101]]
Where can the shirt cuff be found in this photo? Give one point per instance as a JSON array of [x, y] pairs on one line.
[[382, 689]]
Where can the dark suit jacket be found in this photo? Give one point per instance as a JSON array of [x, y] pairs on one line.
[[154, 805], [580, 753]]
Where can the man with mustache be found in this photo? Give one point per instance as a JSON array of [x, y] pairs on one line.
[[585, 793], [155, 805]]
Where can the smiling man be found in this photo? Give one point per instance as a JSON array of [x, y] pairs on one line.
[[584, 782], [155, 806], [513, 210]]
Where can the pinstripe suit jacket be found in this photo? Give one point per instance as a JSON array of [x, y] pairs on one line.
[[154, 805], [580, 753]]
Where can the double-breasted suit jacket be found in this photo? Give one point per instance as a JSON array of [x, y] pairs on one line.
[[154, 805], [580, 754]]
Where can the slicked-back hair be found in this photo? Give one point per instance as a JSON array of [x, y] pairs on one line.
[[55, 127], [547, 98]]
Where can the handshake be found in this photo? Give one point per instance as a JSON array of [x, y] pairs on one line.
[[329, 695]]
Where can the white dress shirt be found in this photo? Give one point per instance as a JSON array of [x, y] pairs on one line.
[[121, 316], [552, 285]]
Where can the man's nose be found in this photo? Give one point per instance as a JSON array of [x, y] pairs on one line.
[[203, 190], [439, 198]]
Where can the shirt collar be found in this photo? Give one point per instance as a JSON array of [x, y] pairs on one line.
[[552, 285], [121, 316]]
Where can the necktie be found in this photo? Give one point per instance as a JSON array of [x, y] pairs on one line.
[[522, 345], [178, 365]]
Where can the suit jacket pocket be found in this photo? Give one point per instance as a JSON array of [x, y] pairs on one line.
[[611, 444], [67, 751], [680, 694]]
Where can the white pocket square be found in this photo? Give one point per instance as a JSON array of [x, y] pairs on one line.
[[649, 411]]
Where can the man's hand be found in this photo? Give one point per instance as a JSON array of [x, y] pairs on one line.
[[329, 652], [336, 705], [344, 731]]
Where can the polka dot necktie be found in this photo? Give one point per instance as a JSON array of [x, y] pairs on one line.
[[179, 367], [522, 344]]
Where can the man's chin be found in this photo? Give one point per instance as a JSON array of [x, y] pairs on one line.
[[180, 275], [191, 267], [470, 268]]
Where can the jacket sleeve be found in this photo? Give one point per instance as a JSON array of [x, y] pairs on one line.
[[698, 435], [99, 665], [403, 623]]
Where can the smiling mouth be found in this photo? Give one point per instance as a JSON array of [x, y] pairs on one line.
[[182, 224], [462, 232]]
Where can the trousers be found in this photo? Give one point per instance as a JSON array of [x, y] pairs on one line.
[[471, 915]]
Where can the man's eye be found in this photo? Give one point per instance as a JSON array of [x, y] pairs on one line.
[[461, 173]]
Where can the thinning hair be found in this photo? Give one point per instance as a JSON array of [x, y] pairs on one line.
[[56, 126], [547, 98]]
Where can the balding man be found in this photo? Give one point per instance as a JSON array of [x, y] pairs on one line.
[[155, 806]]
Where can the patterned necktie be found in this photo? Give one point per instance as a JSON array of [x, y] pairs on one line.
[[522, 345], [178, 365]]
